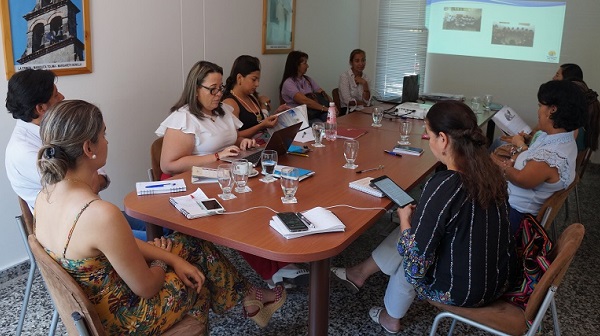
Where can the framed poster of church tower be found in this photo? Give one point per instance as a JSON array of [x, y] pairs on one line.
[[46, 34]]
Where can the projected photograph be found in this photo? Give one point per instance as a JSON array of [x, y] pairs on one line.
[[461, 18], [505, 33]]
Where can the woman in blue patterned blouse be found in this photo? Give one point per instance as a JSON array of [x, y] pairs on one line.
[[455, 246]]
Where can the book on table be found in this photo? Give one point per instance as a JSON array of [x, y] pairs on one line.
[[350, 133], [159, 187], [510, 122], [302, 173], [321, 220], [364, 185], [204, 175], [408, 150], [195, 205]]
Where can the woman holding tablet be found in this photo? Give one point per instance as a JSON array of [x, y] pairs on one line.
[[455, 246]]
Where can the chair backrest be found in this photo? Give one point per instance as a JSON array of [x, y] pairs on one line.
[[562, 254], [68, 297], [553, 205], [335, 94], [155, 151], [26, 215], [583, 158]]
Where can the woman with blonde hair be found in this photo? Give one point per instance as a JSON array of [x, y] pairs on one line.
[[135, 286]]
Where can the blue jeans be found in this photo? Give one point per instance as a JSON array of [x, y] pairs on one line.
[[137, 226], [514, 217]]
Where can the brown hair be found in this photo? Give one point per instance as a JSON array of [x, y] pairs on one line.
[[480, 175]]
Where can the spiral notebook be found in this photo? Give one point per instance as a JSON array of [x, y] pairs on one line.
[[159, 187], [364, 185]]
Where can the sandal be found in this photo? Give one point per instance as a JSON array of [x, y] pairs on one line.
[[267, 309], [374, 314]]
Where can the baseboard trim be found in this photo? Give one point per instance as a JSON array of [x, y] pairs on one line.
[[14, 271]]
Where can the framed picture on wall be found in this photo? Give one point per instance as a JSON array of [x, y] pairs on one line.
[[278, 26], [46, 34]]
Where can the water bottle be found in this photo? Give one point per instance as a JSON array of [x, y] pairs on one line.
[[331, 125]]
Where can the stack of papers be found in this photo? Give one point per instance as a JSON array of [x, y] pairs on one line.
[[190, 205], [322, 219], [204, 175]]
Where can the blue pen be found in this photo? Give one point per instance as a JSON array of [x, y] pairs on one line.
[[392, 153], [159, 185]]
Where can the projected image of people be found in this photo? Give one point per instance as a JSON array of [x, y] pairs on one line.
[[521, 35], [460, 18]]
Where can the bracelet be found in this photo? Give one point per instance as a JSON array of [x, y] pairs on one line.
[[159, 263], [217, 156]]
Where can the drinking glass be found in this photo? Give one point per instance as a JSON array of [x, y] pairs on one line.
[[405, 128], [240, 173], [475, 103], [225, 181], [268, 161], [350, 153], [318, 130], [487, 101], [290, 177], [377, 117]]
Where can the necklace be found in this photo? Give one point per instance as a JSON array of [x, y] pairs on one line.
[[78, 181], [210, 116], [257, 113]]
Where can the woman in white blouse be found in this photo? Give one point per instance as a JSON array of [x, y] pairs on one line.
[[199, 129], [354, 83]]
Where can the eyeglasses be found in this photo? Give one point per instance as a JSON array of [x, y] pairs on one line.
[[214, 90]]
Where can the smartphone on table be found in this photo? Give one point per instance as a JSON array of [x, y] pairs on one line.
[[292, 221], [212, 206]]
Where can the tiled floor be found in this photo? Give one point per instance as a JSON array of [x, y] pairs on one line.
[[577, 298]]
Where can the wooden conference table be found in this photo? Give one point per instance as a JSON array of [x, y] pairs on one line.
[[250, 231]]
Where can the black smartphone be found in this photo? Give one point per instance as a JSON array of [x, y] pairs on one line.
[[392, 191], [292, 221]]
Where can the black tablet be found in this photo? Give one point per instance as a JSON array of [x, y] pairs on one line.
[[392, 191]]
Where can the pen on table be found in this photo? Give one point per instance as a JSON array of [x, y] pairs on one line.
[[370, 169], [392, 153], [299, 154], [159, 185], [305, 220]]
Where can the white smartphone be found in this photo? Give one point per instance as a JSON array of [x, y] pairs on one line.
[[212, 205]]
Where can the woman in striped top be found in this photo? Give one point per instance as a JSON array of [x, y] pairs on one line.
[[455, 246]]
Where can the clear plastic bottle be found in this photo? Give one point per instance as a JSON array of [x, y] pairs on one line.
[[331, 126]]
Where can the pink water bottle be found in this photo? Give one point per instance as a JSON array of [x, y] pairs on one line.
[[331, 126]]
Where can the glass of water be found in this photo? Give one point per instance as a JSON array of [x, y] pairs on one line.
[[225, 181], [377, 117], [350, 153], [268, 161], [240, 172], [487, 101], [405, 129], [475, 104], [318, 130], [290, 177]]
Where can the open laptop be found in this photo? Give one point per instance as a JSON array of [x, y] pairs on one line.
[[279, 141]]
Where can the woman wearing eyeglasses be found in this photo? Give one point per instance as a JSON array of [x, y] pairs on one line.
[[199, 129]]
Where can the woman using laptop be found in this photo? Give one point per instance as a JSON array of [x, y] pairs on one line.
[[200, 129], [455, 246], [135, 286], [241, 95]]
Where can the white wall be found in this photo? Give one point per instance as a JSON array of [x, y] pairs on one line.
[[142, 51]]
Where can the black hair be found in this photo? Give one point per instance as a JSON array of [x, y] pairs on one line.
[[569, 101], [571, 71], [27, 89], [294, 59], [243, 65]]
